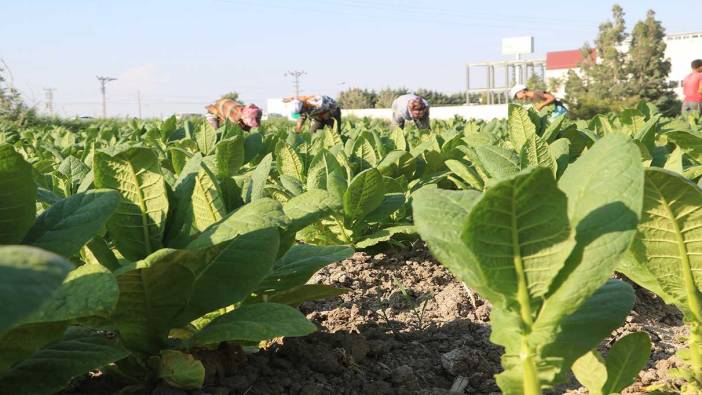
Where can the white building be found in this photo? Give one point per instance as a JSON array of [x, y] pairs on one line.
[[682, 49], [277, 107]]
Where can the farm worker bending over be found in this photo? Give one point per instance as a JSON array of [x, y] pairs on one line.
[[410, 107], [692, 88], [322, 111], [538, 98], [246, 116]]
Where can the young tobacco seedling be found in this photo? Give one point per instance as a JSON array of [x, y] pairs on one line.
[[542, 253]]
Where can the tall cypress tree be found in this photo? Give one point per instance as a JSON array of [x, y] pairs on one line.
[[601, 84], [647, 66]]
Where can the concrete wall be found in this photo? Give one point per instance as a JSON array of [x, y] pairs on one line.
[[486, 112]]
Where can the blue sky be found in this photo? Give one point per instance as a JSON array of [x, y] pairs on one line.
[[183, 54]]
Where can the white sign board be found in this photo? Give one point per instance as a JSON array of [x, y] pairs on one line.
[[517, 45]]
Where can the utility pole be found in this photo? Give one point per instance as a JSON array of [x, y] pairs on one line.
[[296, 75], [49, 94], [103, 82], [139, 102]]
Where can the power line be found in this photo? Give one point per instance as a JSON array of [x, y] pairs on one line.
[[296, 75], [103, 83]]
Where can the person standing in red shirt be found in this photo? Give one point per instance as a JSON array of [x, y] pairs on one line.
[[692, 89]]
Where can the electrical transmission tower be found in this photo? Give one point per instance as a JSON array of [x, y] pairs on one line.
[[296, 75], [103, 83], [49, 94]]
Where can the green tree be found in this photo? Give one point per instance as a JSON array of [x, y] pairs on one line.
[[233, 95], [603, 83], [12, 106], [436, 98], [535, 81], [647, 66], [357, 98], [386, 96]]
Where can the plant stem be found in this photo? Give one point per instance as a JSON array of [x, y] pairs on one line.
[[531, 377], [696, 350]]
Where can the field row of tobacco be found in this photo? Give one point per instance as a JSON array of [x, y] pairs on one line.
[[127, 246]]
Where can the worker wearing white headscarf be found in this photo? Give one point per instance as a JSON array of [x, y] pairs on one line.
[[410, 107]]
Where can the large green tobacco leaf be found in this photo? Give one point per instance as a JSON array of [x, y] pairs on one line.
[[398, 139], [320, 170], [207, 201], [466, 173], [397, 163], [519, 232], [152, 292], [228, 273], [440, 217], [17, 196], [180, 223], [70, 223], [88, 291], [299, 263], [51, 368], [600, 124], [385, 234], [689, 143], [574, 336], [584, 329], [30, 277], [74, 170], [290, 163], [253, 323], [498, 162], [604, 189], [535, 152], [259, 176], [138, 225], [560, 152], [309, 207], [181, 370], [647, 134], [669, 242], [553, 129], [205, 137], [521, 128], [624, 361], [263, 213], [632, 120], [391, 203], [364, 154], [590, 370], [230, 156], [365, 193]]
